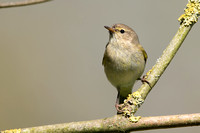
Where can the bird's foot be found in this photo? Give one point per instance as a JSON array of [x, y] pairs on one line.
[[119, 108], [143, 80]]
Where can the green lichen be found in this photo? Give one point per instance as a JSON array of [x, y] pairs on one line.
[[131, 105], [192, 11], [12, 131], [134, 119]]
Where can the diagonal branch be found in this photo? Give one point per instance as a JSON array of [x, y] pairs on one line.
[[187, 20], [168, 54]]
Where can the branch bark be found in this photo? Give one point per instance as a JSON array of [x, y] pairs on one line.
[[115, 124]]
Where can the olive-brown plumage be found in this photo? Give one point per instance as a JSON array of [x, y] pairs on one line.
[[124, 59]]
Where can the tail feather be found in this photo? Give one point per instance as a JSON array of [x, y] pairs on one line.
[[121, 99]]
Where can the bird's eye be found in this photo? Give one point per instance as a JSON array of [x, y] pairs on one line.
[[122, 31]]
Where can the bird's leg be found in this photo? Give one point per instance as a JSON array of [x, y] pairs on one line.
[[143, 80], [117, 105]]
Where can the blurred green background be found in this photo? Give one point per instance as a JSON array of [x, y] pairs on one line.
[[51, 56]]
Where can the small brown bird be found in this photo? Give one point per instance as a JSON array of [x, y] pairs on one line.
[[124, 60]]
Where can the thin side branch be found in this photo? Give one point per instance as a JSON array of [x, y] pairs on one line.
[[116, 124], [21, 3]]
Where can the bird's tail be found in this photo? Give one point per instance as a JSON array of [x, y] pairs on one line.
[[121, 99]]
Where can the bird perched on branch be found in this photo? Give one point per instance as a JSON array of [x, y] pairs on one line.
[[124, 60]]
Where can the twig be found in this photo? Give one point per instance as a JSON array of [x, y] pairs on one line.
[[21, 3]]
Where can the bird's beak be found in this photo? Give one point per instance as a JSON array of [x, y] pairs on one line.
[[110, 29]]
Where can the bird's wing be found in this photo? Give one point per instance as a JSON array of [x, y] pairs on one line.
[[143, 52]]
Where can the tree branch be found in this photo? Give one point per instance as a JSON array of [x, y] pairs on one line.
[[21, 3], [187, 20], [116, 124]]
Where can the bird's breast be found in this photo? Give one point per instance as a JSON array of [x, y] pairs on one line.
[[123, 66], [124, 58]]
